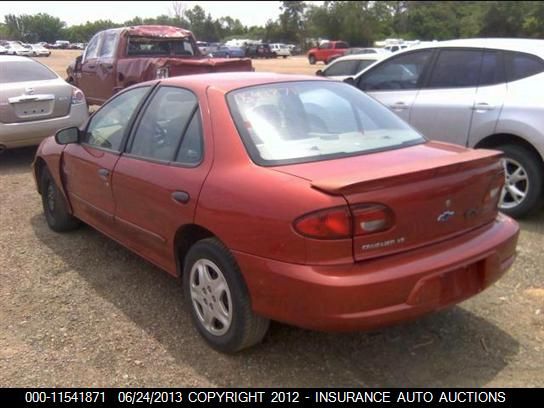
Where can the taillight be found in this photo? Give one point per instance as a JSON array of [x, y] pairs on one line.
[[371, 218], [77, 96], [343, 222], [333, 223]]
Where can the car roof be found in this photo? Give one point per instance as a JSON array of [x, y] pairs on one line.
[[4, 58], [531, 46], [228, 81], [368, 56]]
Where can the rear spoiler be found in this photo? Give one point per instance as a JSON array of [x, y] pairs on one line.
[[381, 177]]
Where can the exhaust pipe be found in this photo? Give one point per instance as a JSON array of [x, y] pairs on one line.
[[2, 149]]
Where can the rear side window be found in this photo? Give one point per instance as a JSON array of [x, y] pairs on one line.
[[163, 124], [24, 71], [520, 65], [492, 71], [341, 45], [456, 69]]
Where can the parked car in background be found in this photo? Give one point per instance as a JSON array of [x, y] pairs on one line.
[[281, 50], [381, 51], [327, 51], [228, 52], [475, 92], [316, 207], [35, 102], [39, 50], [62, 44], [120, 57], [15, 48], [259, 51], [348, 66], [3, 50]]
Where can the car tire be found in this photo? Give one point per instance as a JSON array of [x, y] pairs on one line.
[[55, 207], [225, 319], [528, 166], [285, 56], [311, 60]]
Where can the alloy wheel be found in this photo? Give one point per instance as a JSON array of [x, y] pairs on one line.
[[516, 186], [211, 297]]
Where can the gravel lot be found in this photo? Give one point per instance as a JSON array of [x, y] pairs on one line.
[[77, 309]]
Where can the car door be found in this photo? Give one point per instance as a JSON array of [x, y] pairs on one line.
[[157, 180], [444, 107], [87, 166], [490, 96], [106, 68], [323, 51], [88, 79], [395, 82]]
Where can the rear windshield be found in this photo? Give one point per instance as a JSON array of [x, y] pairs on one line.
[[296, 122], [160, 46], [24, 71]]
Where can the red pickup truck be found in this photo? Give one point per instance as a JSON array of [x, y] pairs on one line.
[[120, 57], [327, 51]]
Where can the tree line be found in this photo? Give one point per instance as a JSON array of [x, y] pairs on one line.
[[358, 22]]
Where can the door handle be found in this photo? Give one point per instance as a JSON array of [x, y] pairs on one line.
[[399, 106], [104, 174], [91, 66], [181, 197], [482, 106]]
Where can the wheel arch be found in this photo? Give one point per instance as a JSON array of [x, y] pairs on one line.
[[499, 139], [186, 236]]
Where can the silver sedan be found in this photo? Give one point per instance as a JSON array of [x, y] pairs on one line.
[[35, 102]]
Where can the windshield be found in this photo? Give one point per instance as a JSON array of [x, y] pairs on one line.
[[160, 46], [297, 122]]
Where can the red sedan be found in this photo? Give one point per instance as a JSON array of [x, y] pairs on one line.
[[290, 198]]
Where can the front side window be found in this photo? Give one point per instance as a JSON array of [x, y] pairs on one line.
[[109, 124], [297, 122], [456, 69], [109, 44], [398, 73], [344, 68], [164, 123], [92, 49]]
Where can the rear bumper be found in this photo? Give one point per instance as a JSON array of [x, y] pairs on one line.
[[384, 291], [32, 133]]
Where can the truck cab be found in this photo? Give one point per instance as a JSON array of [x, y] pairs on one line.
[[117, 58], [327, 51]]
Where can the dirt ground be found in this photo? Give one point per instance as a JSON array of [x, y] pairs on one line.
[[77, 309]]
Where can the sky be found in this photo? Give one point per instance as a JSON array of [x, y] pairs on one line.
[[78, 12]]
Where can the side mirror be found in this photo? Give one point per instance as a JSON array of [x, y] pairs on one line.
[[319, 72], [350, 81], [67, 135]]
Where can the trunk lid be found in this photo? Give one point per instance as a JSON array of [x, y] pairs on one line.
[[435, 191], [34, 100]]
